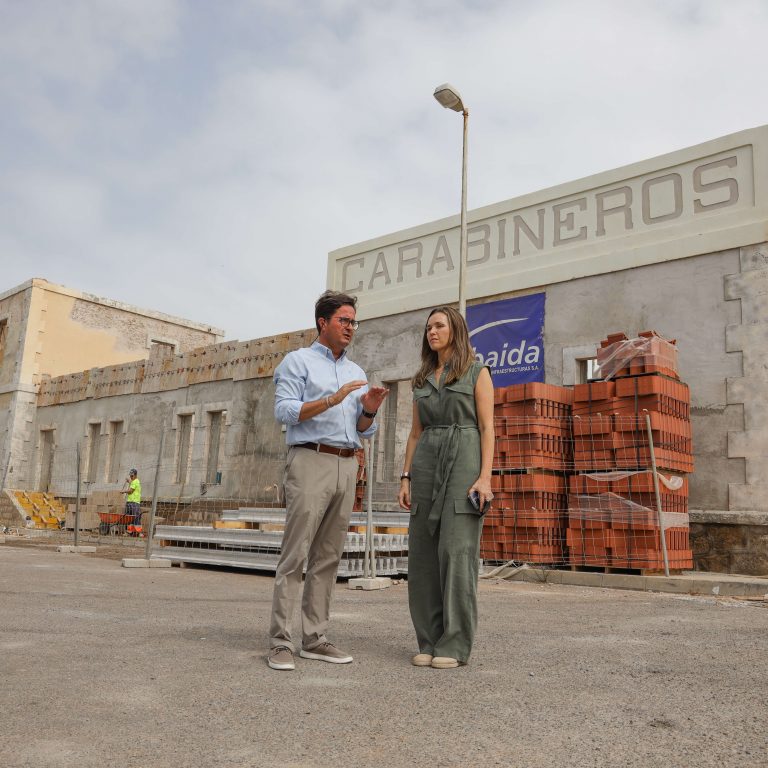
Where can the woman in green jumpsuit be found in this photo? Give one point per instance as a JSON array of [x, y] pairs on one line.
[[448, 456]]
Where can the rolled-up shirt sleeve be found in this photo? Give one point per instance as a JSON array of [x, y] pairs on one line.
[[290, 382]]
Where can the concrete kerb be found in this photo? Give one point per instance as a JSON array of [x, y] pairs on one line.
[[76, 549], [155, 562], [379, 582], [690, 583]]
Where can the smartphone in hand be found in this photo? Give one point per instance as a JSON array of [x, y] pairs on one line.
[[474, 500]]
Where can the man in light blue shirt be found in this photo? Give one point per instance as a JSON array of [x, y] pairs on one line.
[[324, 400]]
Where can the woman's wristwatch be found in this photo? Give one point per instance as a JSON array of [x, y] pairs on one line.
[[406, 476], [369, 415]]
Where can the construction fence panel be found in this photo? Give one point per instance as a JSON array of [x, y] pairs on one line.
[[573, 481]]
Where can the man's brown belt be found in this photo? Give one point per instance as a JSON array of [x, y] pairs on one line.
[[345, 453]]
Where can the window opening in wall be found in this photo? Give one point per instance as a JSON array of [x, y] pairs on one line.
[[212, 474], [115, 450], [3, 336], [161, 349], [94, 437], [394, 426], [389, 437], [46, 459], [184, 437], [587, 369]]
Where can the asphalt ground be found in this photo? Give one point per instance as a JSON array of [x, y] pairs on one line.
[[108, 666]]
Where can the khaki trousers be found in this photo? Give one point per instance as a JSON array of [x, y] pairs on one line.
[[319, 495]]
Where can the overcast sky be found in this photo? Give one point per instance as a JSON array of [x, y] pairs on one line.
[[202, 157]]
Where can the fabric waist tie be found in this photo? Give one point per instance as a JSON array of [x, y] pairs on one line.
[[446, 458]]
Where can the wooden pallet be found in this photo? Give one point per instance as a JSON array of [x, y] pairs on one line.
[[247, 525]]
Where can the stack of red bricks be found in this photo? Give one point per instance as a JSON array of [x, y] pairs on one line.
[[610, 429], [648, 353], [533, 427], [612, 517], [614, 522], [533, 451]]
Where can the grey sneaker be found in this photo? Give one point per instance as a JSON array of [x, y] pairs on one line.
[[281, 658], [326, 652]]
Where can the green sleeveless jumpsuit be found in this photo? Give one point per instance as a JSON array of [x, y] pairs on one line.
[[444, 532]]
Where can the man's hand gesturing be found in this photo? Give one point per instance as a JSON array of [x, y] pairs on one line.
[[373, 398]]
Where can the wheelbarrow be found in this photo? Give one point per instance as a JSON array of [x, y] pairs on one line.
[[114, 522]]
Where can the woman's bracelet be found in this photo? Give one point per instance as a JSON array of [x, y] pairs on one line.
[[405, 476], [328, 403]]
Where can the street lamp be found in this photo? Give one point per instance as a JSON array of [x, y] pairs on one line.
[[449, 97]]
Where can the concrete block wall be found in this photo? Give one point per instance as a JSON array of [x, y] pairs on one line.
[[680, 299], [9, 513], [749, 288], [738, 544], [231, 377], [20, 470], [227, 361]]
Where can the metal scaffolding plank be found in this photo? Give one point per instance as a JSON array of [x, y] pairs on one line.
[[277, 516], [263, 561], [218, 536], [254, 539]]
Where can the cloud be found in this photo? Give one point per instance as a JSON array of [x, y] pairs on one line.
[[218, 155]]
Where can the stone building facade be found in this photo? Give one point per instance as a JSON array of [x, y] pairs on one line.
[[47, 330], [678, 244]]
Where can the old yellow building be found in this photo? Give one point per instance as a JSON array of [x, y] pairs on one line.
[[47, 330]]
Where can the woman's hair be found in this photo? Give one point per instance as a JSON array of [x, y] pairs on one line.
[[329, 302], [462, 355]]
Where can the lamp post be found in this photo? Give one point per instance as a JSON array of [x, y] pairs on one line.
[[449, 97]]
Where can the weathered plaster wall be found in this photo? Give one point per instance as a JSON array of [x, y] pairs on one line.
[[748, 335], [252, 447], [16, 457], [6, 400], [52, 330], [118, 413], [692, 300], [13, 310], [389, 349], [683, 299], [76, 334], [16, 396]]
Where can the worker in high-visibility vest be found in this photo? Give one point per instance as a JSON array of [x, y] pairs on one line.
[[133, 497]]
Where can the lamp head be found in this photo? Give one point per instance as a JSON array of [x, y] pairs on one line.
[[449, 97]]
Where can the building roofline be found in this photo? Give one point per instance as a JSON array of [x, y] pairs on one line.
[[38, 282], [17, 289], [557, 191]]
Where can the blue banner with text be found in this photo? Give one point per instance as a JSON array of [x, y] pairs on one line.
[[508, 336]]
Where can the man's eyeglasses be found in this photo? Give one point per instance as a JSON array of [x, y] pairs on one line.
[[346, 322]]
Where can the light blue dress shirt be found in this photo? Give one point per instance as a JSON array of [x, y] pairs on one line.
[[310, 374]]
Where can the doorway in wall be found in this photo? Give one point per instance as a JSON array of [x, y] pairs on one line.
[[46, 459]]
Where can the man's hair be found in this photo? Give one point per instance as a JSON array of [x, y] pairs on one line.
[[329, 302]]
